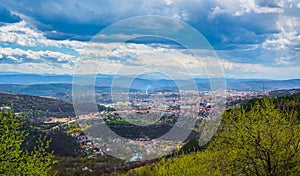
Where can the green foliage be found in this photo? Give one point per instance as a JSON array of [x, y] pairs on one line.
[[14, 160], [190, 146], [262, 140], [74, 128], [143, 171], [64, 145]]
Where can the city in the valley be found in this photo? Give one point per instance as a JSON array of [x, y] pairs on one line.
[[134, 124]]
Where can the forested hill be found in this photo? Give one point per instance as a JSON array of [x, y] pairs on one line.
[[35, 106], [284, 93]]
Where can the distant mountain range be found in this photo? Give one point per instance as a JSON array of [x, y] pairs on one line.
[[56, 85]]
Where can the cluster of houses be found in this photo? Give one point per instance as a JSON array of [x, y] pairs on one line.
[[89, 146]]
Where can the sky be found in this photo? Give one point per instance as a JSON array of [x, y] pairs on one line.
[[252, 38]]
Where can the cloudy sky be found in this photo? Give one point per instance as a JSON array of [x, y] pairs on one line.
[[252, 38]]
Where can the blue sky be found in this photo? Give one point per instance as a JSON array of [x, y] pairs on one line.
[[253, 38]]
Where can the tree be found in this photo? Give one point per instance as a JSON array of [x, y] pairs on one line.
[[262, 140], [14, 160]]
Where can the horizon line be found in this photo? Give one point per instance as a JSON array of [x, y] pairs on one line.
[[143, 77]]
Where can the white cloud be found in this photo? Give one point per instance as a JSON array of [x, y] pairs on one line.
[[288, 36], [23, 35], [283, 61], [37, 68], [132, 58], [168, 2], [216, 12], [19, 55], [244, 19], [18, 33], [247, 70], [240, 8]]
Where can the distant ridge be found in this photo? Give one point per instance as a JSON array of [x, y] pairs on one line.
[[35, 106], [34, 83], [283, 93]]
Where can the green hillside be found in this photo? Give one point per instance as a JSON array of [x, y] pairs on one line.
[[261, 138], [34, 106]]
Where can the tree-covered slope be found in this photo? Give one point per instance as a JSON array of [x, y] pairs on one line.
[[261, 138]]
